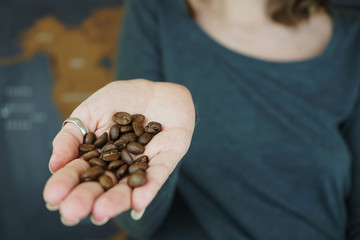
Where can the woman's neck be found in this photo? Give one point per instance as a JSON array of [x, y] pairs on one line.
[[243, 13]]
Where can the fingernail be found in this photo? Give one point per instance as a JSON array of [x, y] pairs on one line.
[[98, 223], [67, 223], [52, 172], [52, 208], [136, 215]]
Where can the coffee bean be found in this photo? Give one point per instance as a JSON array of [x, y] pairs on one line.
[[83, 148], [90, 138], [136, 179], [138, 118], [101, 140], [87, 180], [121, 144], [145, 138], [110, 156], [138, 128], [112, 176], [92, 154], [135, 148], [131, 137], [141, 171], [92, 173], [97, 162], [115, 165], [153, 127], [108, 147], [105, 181], [137, 166], [121, 171], [114, 132], [126, 129], [126, 157], [143, 158], [122, 118]]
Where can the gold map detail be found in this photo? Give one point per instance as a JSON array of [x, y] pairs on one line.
[[82, 58]]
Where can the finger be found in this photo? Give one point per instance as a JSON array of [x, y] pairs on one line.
[[65, 146], [165, 151], [160, 167], [60, 184], [66, 142], [113, 202], [78, 204]]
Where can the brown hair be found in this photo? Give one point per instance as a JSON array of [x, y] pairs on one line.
[[292, 12]]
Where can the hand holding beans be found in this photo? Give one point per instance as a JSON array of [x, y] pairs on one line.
[[76, 197]]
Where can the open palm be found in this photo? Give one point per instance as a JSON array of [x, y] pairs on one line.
[[167, 103]]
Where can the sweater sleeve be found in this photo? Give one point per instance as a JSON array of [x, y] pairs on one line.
[[139, 57], [352, 136]]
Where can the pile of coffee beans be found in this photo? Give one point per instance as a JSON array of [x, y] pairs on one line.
[[114, 155]]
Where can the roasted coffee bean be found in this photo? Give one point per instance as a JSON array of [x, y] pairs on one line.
[[92, 173], [137, 166], [92, 154], [122, 118], [105, 181], [138, 118], [87, 180], [138, 128], [145, 138], [110, 156], [122, 171], [126, 157], [115, 165], [101, 140], [112, 176], [143, 158], [83, 148], [131, 137], [97, 162], [90, 138], [114, 132], [121, 144], [126, 129], [108, 147], [135, 148], [141, 171], [153, 127], [136, 179]]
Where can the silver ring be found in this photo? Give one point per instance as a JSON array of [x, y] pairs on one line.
[[78, 123]]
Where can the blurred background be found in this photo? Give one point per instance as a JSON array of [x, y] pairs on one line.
[[53, 55]]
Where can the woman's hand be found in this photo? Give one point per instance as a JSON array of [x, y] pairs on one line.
[[167, 103]]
